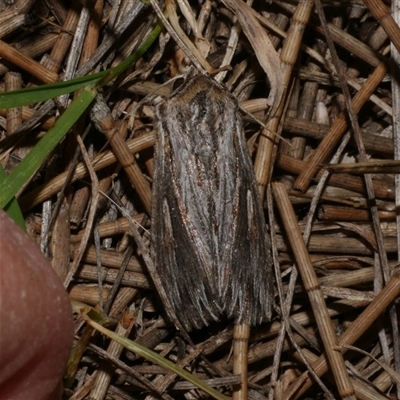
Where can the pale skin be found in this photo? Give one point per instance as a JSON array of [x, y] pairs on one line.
[[36, 326]]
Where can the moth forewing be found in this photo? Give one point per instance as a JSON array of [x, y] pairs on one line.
[[209, 241]]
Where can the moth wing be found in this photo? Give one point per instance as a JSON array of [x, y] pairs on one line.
[[249, 299], [173, 250]]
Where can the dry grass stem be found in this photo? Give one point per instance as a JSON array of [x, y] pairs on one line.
[[314, 292], [338, 129], [382, 14], [26, 63]]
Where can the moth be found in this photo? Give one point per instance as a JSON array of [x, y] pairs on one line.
[[210, 246]]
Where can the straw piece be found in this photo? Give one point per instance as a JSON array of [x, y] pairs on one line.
[[264, 50], [34, 47], [263, 162], [27, 113], [88, 293], [353, 45], [337, 130], [382, 14], [13, 81], [93, 33], [100, 161], [368, 167], [106, 371], [111, 228], [15, 16], [64, 39], [91, 273], [373, 143], [382, 189], [104, 121], [316, 297], [362, 390], [241, 333], [26, 63], [110, 258], [389, 294], [336, 244], [336, 213], [60, 241], [342, 38], [59, 10]]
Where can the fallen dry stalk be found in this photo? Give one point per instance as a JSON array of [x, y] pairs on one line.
[[337, 130], [315, 295], [383, 300]]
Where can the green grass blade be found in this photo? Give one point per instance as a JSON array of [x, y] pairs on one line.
[[37, 94], [157, 359], [13, 209], [34, 159], [29, 165], [114, 72]]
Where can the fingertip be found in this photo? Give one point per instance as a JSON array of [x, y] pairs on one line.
[[36, 330]]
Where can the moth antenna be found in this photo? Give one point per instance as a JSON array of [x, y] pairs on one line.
[[124, 212]]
